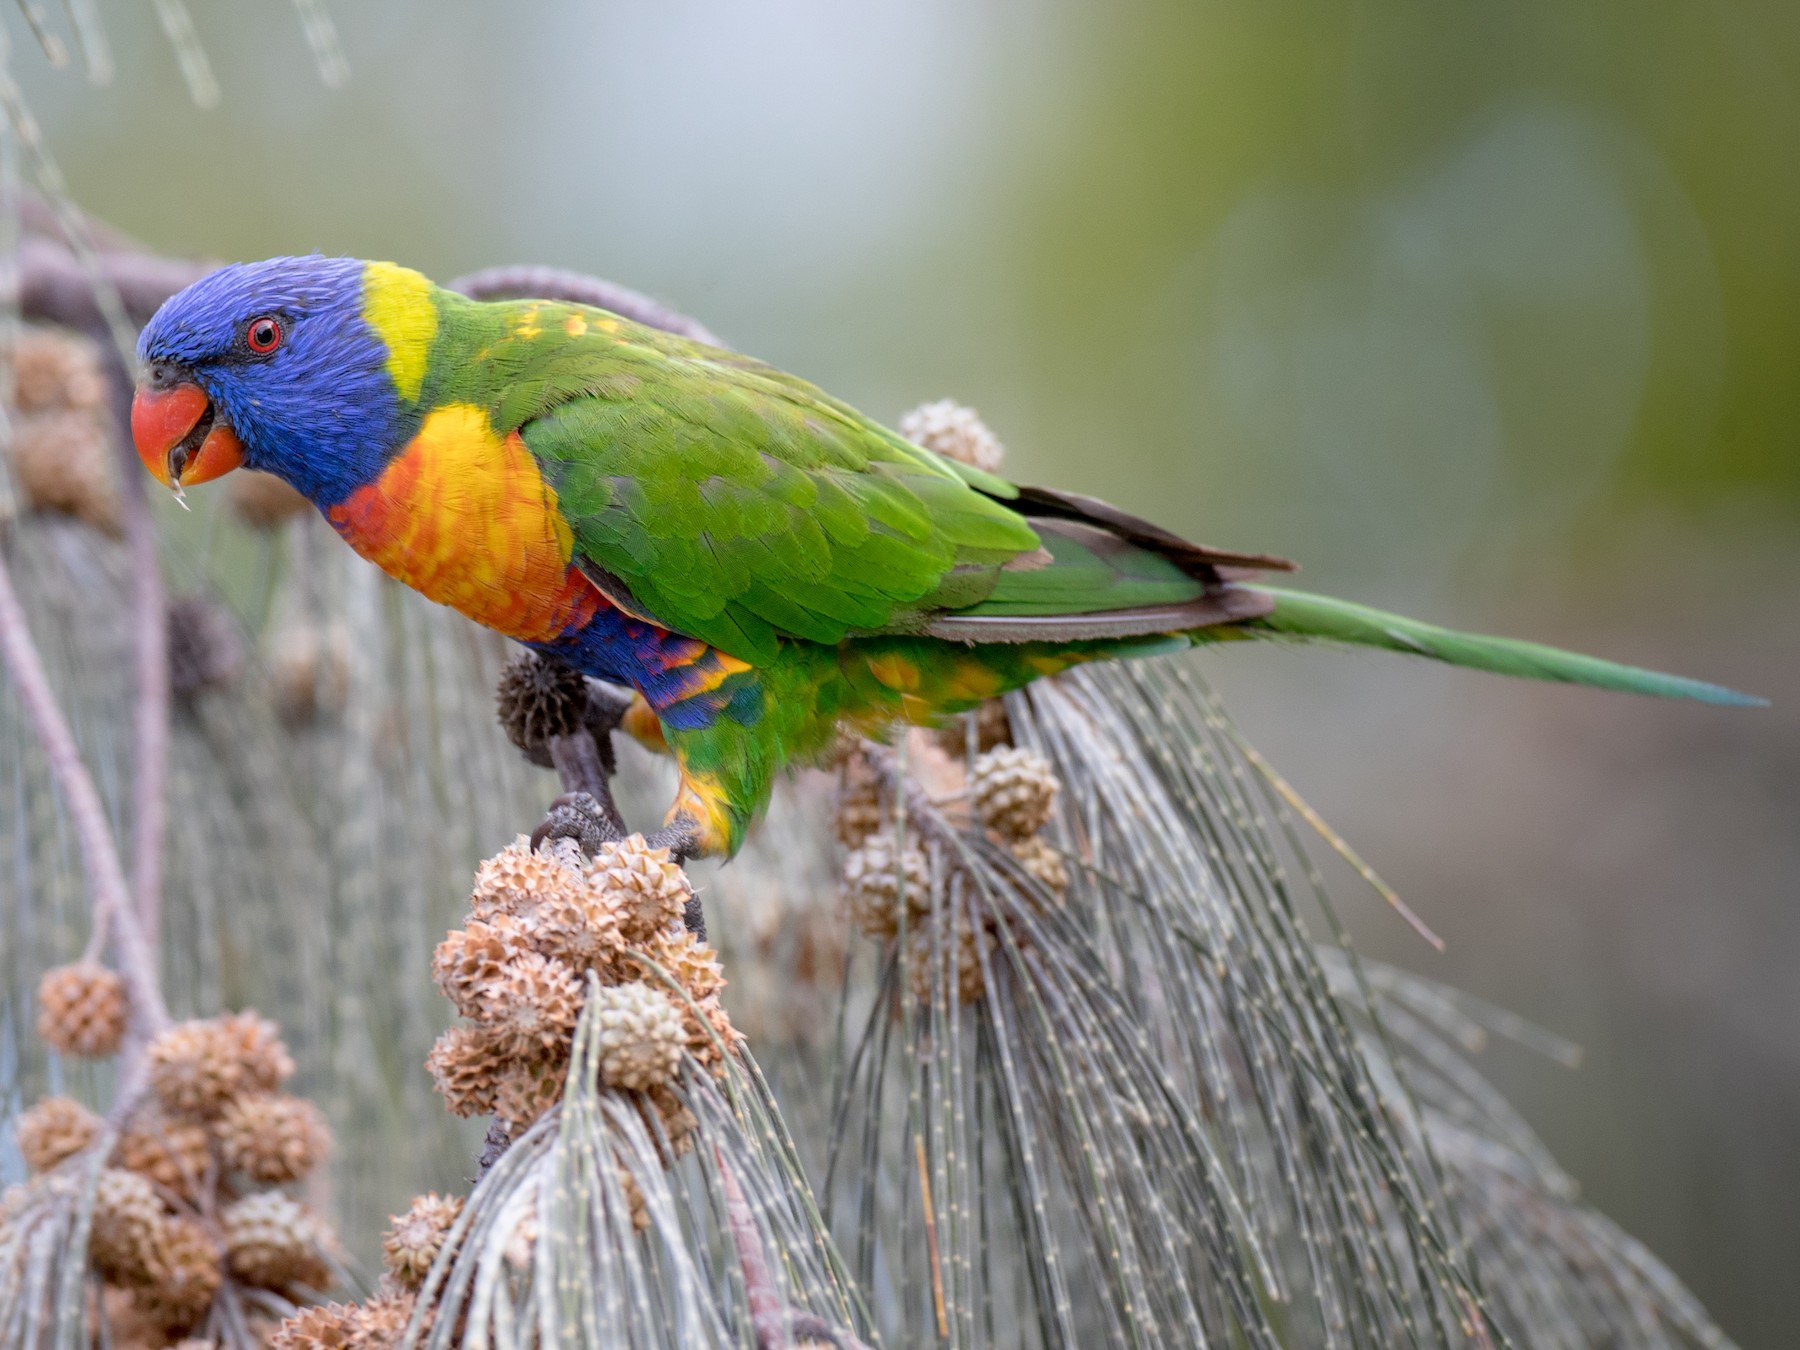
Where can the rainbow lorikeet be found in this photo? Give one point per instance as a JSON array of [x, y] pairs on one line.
[[759, 561]]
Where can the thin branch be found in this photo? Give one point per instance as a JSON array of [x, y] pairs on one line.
[[99, 855], [771, 1319], [55, 288], [150, 659]]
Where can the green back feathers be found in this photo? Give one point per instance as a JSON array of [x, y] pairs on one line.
[[735, 503]]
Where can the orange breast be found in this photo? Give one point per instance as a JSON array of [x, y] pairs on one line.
[[463, 516]]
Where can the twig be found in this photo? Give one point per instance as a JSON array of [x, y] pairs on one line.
[[53, 285], [770, 1318], [99, 855], [150, 659], [578, 288]]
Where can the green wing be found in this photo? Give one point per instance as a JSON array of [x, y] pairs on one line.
[[740, 505]]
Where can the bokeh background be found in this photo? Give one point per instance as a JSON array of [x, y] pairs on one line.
[[1486, 311]]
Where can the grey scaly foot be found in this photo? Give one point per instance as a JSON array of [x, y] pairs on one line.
[[582, 817], [682, 840]]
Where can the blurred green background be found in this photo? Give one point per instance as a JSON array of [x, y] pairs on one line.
[[1488, 311]]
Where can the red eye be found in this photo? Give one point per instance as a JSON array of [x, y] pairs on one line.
[[263, 335]]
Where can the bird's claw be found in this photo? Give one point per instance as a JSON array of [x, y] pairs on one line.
[[683, 841], [582, 817]]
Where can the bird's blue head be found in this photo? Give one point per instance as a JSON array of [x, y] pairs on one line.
[[307, 368]]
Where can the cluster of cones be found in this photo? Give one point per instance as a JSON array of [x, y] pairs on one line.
[[542, 923], [59, 459], [411, 1244], [887, 885], [193, 1193]]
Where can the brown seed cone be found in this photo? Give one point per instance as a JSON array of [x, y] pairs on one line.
[[578, 925], [271, 1137], [634, 1197], [206, 650], [263, 501], [929, 965], [55, 368], [708, 1028], [673, 1118], [128, 1219], [55, 1129], [329, 1326], [414, 1239], [955, 432], [380, 1323], [538, 699], [648, 890], [528, 1088], [185, 1274], [82, 1009], [1043, 861], [533, 1007], [194, 1068], [518, 881], [861, 806], [1014, 791], [175, 1154], [257, 1043], [466, 1064], [992, 727], [873, 880], [641, 1036], [471, 963], [62, 461], [273, 1242], [693, 963]]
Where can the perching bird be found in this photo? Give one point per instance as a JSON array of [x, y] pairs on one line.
[[760, 562]]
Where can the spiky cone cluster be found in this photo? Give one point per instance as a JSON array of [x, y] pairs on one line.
[[274, 1242], [168, 1263], [82, 1009], [948, 952], [539, 924], [862, 807], [182, 1206], [59, 456], [54, 1130], [955, 432], [881, 875], [1013, 791], [537, 700], [888, 876], [376, 1323], [887, 883], [197, 1067], [416, 1238]]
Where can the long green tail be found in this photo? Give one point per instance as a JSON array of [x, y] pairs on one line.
[[1320, 618]]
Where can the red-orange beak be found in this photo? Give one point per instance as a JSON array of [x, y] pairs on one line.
[[179, 436]]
